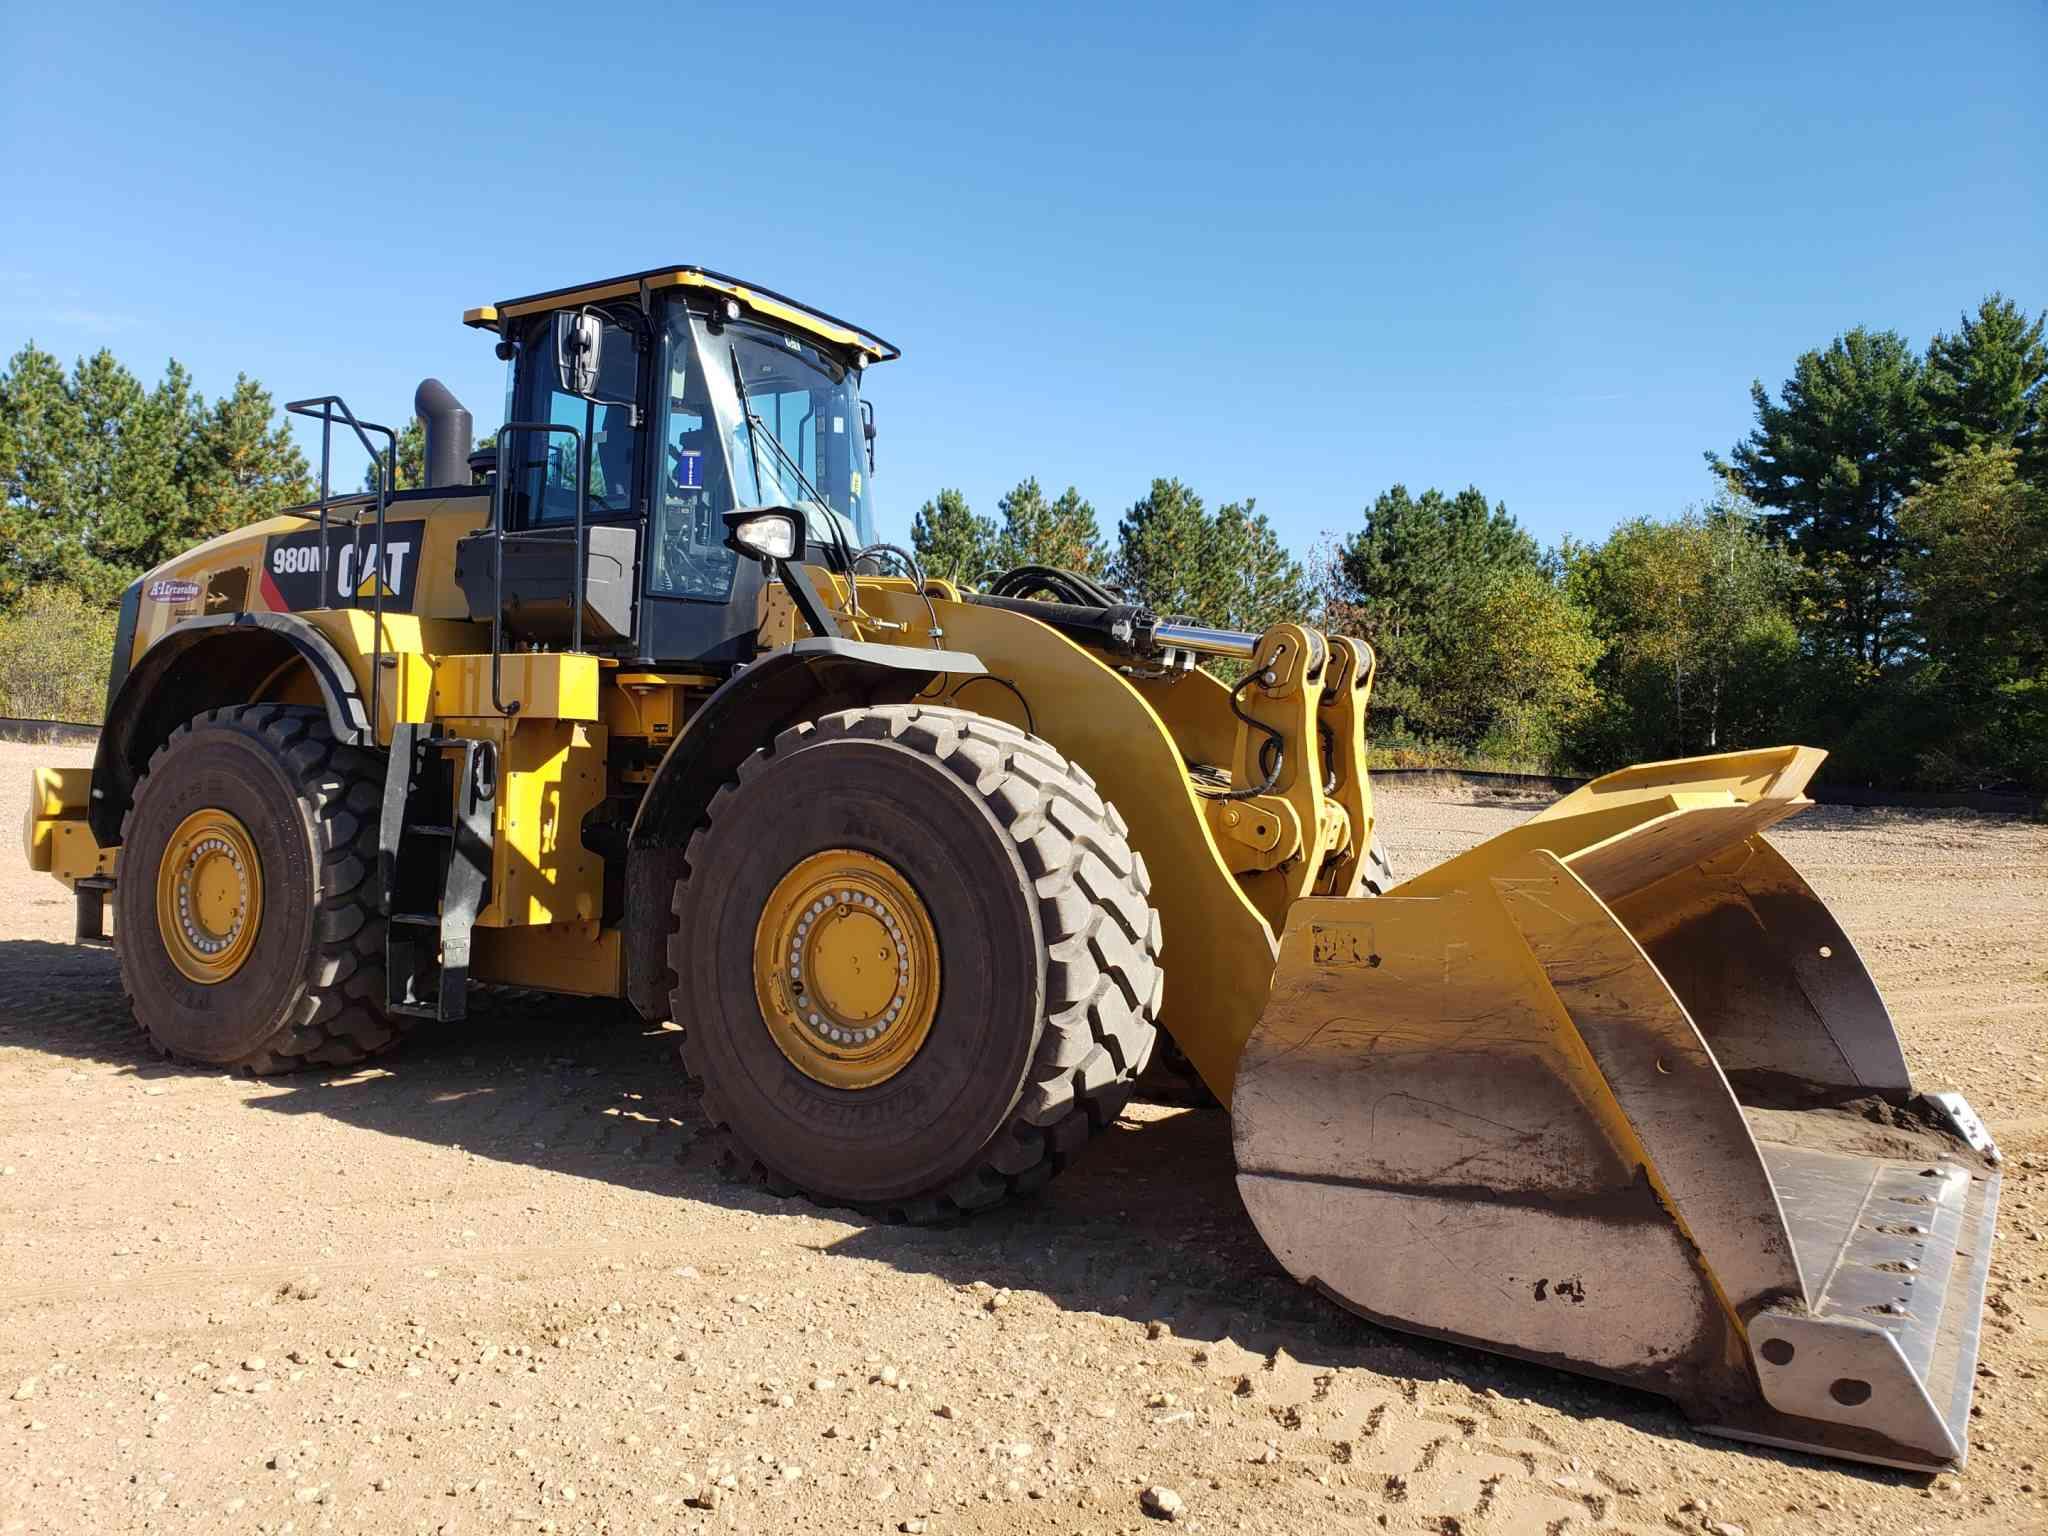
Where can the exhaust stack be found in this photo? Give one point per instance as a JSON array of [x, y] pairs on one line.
[[449, 432]]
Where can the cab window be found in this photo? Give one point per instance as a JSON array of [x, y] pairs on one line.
[[548, 463]]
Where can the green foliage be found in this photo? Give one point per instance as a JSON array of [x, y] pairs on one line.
[[1831, 463], [1985, 385], [1700, 650], [1978, 574], [412, 459], [101, 479], [1060, 533], [54, 652], [951, 542], [1479, 646], [1228, 568]]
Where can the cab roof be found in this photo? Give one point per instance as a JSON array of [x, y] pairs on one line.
[[764, 301]]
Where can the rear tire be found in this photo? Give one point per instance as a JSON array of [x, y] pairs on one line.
[[307, 981], [1046, 948]]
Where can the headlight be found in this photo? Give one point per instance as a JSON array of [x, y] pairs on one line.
[[771, 536]]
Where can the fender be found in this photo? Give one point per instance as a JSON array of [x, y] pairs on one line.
[[798, 682], [206, 663]]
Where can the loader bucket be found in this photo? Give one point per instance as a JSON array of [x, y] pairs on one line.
[[1613, 1092]]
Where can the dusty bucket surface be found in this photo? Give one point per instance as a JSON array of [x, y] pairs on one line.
[[1614, 1092]]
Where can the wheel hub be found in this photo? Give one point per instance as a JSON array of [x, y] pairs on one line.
[[209, 896], [846, 968]]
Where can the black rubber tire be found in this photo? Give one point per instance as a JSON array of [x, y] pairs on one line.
[[1048, 954], [312, 990]]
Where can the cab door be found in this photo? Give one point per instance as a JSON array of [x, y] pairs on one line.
[[699, 602]]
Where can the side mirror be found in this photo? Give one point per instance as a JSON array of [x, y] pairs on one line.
[[767, 534], [867, 430], [579, 347]]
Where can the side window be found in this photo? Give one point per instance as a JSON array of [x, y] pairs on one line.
[[607, 423]]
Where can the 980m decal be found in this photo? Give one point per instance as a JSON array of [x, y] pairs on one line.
[[356, 567]]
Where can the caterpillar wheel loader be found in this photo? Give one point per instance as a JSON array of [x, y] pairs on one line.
[[635, 705]]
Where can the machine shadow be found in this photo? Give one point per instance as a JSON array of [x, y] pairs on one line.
[[1146, 1226]]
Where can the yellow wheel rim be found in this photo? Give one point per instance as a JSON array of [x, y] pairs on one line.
[[209, 896], [846, 967]]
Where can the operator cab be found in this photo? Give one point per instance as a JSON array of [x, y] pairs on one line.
[[661, 402]]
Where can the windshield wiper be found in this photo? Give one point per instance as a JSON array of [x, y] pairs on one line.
[[757, 429]]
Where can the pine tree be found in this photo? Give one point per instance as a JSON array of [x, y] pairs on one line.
[[1831, 465], [1479, 648], [1167, 554], [1267, 585], [951, 542], [1061, 533], [245, 463], [1985, 385], [40, 522]]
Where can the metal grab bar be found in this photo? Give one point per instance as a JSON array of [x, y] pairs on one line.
[[387, 482], [498, 483]]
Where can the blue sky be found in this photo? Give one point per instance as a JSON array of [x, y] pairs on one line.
[[1290, 253]]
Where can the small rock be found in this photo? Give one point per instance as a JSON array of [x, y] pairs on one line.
[[886, 1376], [911, 1527], [944, 1410], [254, 1363], [1162, 1503], [706, 1498], [1723, 1528], [26, 1390], [824, 1384], [1156, 1330]]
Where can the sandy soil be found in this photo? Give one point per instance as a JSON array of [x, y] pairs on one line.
[[498, 1283]]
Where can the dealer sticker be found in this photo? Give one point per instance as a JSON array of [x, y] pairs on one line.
[[173, 590]]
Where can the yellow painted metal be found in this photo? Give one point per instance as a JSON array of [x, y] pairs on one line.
[[1347, 686], [551, 775], [846, 969], [803, 319], [1219, 973], [209, 896], [545, 684], [55, 834], [583, 959], [1254, 834]]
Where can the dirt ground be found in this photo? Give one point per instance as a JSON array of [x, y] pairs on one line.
[[497, 1283]]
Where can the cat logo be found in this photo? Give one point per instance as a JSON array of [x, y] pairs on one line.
[[356, 569]]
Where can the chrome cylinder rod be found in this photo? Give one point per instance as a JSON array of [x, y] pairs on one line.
[[1204, 641]]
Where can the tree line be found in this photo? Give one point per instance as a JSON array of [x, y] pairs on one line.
[[1868, 573], [1868, 570]]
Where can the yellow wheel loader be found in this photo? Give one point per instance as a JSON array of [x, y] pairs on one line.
[[634, 705]]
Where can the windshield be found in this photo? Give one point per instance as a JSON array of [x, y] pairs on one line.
[[802, 398]]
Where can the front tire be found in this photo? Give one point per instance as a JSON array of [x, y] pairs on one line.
[[246, 915], [1001, 915]]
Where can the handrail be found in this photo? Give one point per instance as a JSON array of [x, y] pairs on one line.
[[387, 482], [498, 484]]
